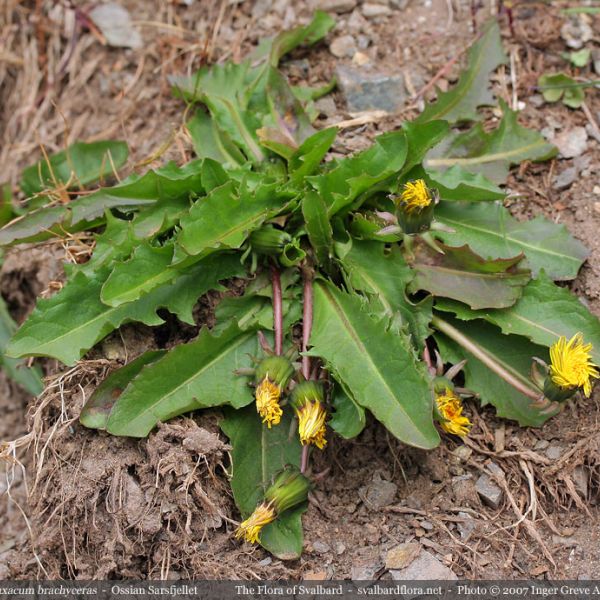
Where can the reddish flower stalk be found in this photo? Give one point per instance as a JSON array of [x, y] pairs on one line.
[[277, 310]]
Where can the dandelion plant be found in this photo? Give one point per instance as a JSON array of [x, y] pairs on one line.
[[392, 281]]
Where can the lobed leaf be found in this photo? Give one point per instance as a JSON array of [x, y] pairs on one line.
[[491, 153], [461, 274], [55, 329], [350, 177], [385, 277], [97, 409], [225, 217], [473, 89], [544, 313], [199, 374], [377, 366], [493, 232]]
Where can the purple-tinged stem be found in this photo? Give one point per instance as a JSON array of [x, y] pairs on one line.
[[307, 319], [304, 459], [277, 310]]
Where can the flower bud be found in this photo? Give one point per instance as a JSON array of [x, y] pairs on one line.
[[277, 369], [307, 400], [269, 240], [415, 206], [289, 488], [272, 376]]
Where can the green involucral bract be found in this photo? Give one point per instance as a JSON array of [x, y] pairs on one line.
[[266, 240]]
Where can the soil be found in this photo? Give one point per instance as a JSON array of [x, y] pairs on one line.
[[82, 504]]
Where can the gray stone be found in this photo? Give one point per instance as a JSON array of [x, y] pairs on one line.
[[536, 100], [343, 46], [467, 526], [401, 556], [424, 567], [338, 6], [580, 479], [426, 525], [489, 492], [326, 106], [379, 493], [371, 10], [339, 548], [463, 489], [565, 178], [571, 142], [363, 41], [321, 547], [366, 564], [116, 26], [400, 4], [365, 90], [596, 60], [592, 132], [265, 562], [554, 452], [576, 32]]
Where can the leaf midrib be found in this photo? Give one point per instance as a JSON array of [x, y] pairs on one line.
[[486, 158], [505, 237], [234, 345], [365, 354]]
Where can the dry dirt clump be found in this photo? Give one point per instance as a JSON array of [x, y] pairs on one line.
[[103, 507]]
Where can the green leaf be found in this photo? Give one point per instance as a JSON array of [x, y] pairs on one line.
[[456, 183], [318, 227], [461, 274], [350, 177], [77, 166], [544, 313], [514, 353], [227, 215], [211, 142], [167, 184], [29, 378], [348, 418], [147, 268], [287, 125], [420, 138], [472, 90], [55, 329], [377, 366], [385, 277], [286, 41], [490, 230], [309, 155], [97, 409], [491, 153], [196, 375], [258, 453], [557, 86], [7, 210]]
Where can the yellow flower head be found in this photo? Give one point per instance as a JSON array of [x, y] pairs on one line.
[[415, 197], [250, 528], [267, 402], [450, 407], [311, 424], [571, 365]]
